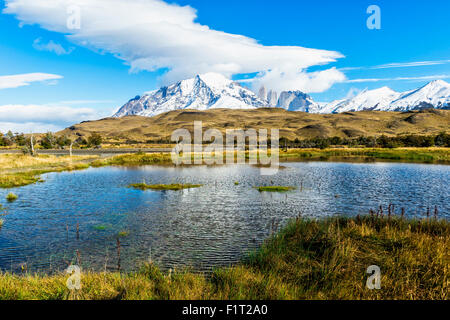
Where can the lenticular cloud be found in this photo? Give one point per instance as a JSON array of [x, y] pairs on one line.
[[153, 35]]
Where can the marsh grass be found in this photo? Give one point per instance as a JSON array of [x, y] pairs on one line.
[[1, 223], [21, 170], [308, 259], [275, 189], [162, 187]]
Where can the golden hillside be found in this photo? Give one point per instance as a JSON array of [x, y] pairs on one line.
[[292, 125]]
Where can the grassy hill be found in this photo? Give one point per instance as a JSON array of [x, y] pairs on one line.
[[292, 125]]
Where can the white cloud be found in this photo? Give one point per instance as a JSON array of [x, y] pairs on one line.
[[20, 80], [51, 47], [42, 118], [411, 64], [290, 80], [353, 92], [433, 77], [399, 65], [29, 127], [153, 35]]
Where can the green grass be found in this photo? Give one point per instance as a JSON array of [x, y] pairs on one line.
[[308, 259], [162, 187], [274, 189], [11, 197]]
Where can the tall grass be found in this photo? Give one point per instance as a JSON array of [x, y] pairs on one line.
[[308, 259]]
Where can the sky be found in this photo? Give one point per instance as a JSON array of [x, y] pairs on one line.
[[66, 61]]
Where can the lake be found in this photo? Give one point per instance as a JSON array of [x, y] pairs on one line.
[[215, 225]]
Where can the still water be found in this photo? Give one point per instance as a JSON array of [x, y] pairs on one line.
[[214, 225]]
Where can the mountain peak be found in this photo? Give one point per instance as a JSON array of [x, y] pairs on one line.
[[203, 92], [437, 83]]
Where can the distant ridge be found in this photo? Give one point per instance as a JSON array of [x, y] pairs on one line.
[[292, 125]]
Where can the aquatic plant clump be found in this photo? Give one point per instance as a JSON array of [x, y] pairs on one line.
[[162, 187], [275, 189], [12, 197]]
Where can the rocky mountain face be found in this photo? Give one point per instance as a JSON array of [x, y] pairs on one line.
[[297, 101]]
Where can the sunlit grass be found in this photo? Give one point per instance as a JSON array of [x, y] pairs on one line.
[[21, 170]]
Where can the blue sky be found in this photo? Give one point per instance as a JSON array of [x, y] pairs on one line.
[[90, 74]]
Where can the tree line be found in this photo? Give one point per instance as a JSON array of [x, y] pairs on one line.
[[49, 140], [419, 141]]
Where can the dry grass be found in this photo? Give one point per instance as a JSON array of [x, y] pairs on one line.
[[308, 259], [23, 162]]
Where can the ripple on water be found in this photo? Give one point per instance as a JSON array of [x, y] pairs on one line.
[[202, 228]]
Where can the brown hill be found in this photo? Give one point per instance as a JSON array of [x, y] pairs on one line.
[[292, 125]]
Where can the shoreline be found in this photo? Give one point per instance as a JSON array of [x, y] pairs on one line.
[[308, 259], [18, 170]]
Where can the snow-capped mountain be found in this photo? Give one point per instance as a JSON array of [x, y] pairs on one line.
[[206, 91], [435, 94], [297, 101], [212, 90]]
